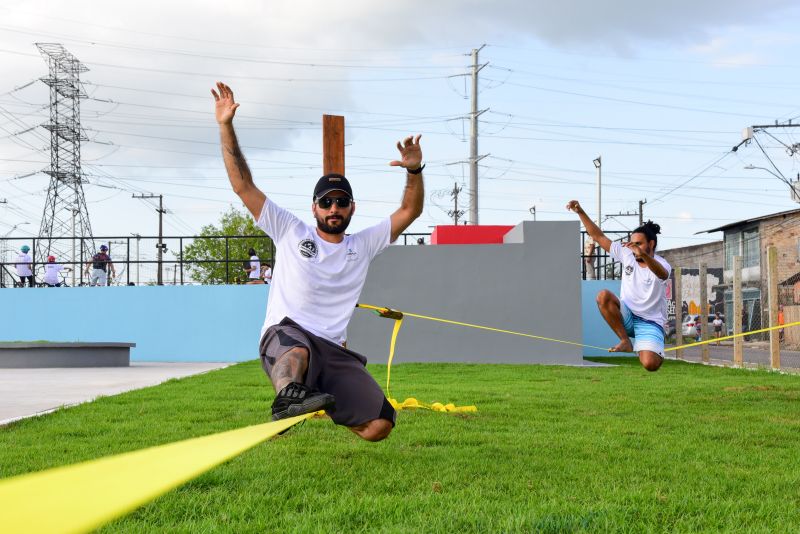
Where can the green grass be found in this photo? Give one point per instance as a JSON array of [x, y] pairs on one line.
[[552, 449]]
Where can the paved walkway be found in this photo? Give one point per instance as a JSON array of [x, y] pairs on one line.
[[754, 355], [28, 392]]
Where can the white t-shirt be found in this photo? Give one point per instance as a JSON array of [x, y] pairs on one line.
[[51, 271], [316, 283], [267, 275], [24, 264], [255, 265], [643, 292]]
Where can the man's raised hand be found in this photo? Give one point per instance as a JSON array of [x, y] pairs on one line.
[[225, 105], [410, 153], [574, 205]]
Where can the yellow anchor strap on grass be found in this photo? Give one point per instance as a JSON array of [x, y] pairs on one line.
[[732, 336], [85, 496], [411, 402]]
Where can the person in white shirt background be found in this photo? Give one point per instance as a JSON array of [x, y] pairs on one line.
[[51, 272], [254, 268], [718, 322], [641, 309], [23, 265], [266, 273]]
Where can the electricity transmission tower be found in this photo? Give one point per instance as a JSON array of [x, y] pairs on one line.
[[65, 212], [455, 213]]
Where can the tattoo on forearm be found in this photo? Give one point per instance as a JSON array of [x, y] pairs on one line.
[[238, 159], [290, 367]]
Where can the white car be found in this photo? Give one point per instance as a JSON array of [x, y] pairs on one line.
[[689, 327]]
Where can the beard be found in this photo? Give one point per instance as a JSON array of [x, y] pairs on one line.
[[324, 224], [649, 251]]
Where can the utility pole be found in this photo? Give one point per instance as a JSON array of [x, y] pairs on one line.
[[455, 213], [160, 246], [138, 238], [75, 212], [641, 211], [598, 164], [473, 139]]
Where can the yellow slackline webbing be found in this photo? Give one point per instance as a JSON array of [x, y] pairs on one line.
[[386, 312], [481, 327], [411, 402], [732, 336], [395, 330], [85, 496]]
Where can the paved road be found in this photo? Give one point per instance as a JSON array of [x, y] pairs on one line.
[[753, 353], [28, 392]]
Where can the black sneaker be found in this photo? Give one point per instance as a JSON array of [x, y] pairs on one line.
[[297, 399]]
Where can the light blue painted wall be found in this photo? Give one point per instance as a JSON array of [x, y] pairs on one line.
[[595, 329], [185, 323], [167, 323]]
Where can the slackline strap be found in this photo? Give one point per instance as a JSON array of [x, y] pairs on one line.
[[84, 496], [383, 310]]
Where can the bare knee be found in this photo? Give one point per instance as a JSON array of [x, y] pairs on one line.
[[375, 430], [605, 297], [650, 360]]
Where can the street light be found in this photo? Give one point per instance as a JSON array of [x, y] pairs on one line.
[[793, 186], [598, 164], [14, 228]]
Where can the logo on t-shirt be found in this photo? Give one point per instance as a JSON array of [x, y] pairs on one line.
[[351, 255], [308, 249], [629, 270]]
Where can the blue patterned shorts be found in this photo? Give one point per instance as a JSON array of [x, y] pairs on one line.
[[647, 335]]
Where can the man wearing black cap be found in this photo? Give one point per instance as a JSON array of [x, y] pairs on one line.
[[316, 283]]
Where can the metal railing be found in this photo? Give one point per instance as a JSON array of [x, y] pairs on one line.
[[136, 262], [599, 265], [136, 259]]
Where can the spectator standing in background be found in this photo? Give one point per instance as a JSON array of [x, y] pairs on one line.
[[101, 265], [254, 268], [23, 265], [718, 322]]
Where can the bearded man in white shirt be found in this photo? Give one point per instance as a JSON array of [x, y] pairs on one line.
[[640, 312], [315, 286]]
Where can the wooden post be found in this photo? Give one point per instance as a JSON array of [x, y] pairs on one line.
[[772, 281], [332, 144], [738, 342], [704, 311], [677, 293]]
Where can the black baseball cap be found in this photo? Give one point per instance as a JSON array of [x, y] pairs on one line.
[[332, 182]]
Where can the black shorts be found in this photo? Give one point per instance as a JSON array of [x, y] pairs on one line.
[[331, 369]]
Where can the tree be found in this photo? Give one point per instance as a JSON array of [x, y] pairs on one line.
[[218, 254]]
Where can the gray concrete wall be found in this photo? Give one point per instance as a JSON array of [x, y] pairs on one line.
[[44, 355], [530, 284]]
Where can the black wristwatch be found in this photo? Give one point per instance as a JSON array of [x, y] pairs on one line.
[[416, 171]]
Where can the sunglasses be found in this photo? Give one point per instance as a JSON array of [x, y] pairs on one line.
[[326, 202]]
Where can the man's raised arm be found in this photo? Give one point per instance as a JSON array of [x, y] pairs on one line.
[[414, 193], [235, 164], [591, 228]]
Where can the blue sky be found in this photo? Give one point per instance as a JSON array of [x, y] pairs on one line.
[[661, 92]]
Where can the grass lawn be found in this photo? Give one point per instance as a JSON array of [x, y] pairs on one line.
[[551, 449]]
